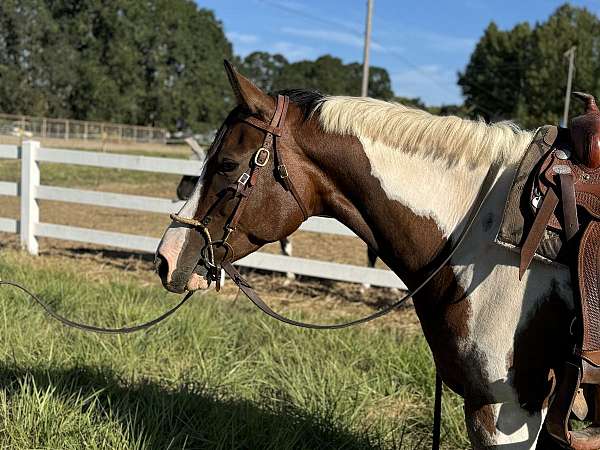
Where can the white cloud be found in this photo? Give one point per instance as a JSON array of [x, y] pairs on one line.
[[433, 84], [447, 43], [338, 37], [294, 52], [426, 39], [242, 38]]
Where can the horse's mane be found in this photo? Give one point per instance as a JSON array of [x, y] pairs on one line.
[[415, 131], [307, 100]]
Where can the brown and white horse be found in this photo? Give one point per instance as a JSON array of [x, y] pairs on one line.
[[404, 181]]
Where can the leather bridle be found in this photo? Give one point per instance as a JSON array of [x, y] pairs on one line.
[[242, 189]]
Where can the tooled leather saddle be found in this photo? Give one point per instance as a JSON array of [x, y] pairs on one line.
[[563, 193]]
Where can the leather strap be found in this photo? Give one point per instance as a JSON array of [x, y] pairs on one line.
[[93, 328], [569, 206], [437, 413], [557, 420], [537, 230]]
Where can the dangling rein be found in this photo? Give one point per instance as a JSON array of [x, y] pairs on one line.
[[92, 328]]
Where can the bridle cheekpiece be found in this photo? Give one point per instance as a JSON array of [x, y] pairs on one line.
[[242, 189]]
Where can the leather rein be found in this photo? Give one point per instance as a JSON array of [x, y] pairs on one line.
[[243, 188]]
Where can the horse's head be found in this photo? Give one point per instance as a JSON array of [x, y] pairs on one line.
[[255, 188]]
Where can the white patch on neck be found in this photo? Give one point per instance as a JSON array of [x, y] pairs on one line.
[[430, 187]]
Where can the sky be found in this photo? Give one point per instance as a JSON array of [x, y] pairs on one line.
[[423, 44]]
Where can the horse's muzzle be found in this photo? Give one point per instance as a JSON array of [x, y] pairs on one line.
[[179, 280]]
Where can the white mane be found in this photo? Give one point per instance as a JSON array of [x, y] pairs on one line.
[[416, 131]]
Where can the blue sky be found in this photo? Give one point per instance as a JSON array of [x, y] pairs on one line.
[[422, 44]]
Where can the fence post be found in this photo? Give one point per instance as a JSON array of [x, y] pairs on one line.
[[30, 180]]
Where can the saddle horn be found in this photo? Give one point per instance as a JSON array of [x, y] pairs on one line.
[[585, 132], [589, 100]]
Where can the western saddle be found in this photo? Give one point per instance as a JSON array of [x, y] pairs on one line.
[[564, 197]]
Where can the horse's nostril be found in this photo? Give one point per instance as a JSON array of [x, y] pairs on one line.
[[161, 265]]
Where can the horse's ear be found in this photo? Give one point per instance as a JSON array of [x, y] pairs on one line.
[[248, 95]]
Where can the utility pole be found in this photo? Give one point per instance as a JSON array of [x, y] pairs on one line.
[[571, 55], [365, 79]]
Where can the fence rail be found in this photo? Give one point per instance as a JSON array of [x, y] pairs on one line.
[[30, 228], [43, 127]]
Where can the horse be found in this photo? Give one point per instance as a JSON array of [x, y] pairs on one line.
[[404, 181]]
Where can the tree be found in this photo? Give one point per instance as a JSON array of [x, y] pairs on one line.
[[521, 74], [263, 68], [546, 77], [124, 60], [29, 82], [414, 102], [493, 82], [330, 75]]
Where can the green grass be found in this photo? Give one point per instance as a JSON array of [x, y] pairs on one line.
[[217, 375]]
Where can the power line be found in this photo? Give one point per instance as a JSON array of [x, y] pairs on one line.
[[352, 29], [388, 50]]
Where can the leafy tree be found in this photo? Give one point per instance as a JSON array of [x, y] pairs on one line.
[[546, 77], [157, 62], [330, 75], [263, 68], [493, 82], [521, 74], [414, 102], [28, 83], [380, 85]]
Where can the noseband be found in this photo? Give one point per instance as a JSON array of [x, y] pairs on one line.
[[243, 187]]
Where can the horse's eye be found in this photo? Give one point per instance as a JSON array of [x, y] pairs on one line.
[[228, 166]]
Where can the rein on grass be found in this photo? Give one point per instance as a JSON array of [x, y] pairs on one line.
[[94, 329]]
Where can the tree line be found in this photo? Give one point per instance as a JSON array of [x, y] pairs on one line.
[[521, 73], [159, 62]]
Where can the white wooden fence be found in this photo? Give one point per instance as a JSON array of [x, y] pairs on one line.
[[30, 228]]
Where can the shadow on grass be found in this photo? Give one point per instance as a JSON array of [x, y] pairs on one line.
[[190, 416]]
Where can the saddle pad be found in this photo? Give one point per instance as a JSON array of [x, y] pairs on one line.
[[518, 215]]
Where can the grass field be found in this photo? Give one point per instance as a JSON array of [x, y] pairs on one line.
[[218, 375]]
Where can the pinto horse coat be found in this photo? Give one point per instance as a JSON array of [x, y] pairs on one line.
[[404, 181]]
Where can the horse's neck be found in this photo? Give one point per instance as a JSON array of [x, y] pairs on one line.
[[406, 206]]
